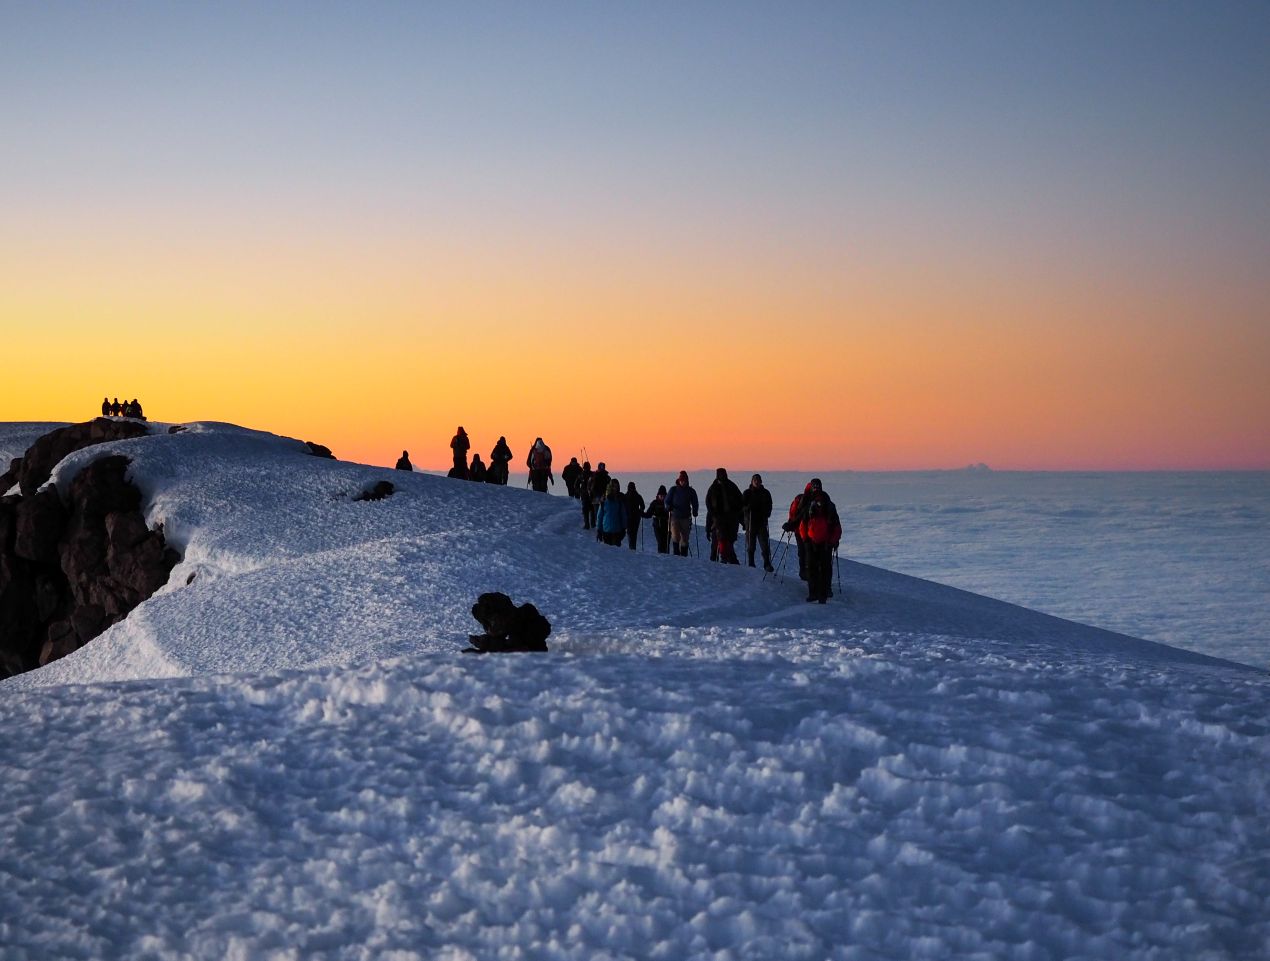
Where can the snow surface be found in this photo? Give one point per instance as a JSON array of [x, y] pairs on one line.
[[287, 756]]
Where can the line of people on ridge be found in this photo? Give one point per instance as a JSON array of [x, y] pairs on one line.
[[496, 471], [616, 516], [128, 408]]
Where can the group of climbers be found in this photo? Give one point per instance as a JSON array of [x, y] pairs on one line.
[[116, 408], [616, 516]]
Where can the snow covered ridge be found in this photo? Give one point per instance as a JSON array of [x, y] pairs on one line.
[[292, 760]]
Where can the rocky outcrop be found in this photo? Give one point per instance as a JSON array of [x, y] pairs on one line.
[[36, 466], [377, 492], [71, 568], [319, 450], [508, 628]]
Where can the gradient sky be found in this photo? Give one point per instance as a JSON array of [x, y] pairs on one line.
[[839, 235]]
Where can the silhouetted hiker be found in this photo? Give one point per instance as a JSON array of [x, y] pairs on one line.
[[661, 520], [791, 526], [756, 509], [634, 514], [459, 446], [507, 626], [133, 409], [613, 515], [403, 462], [584, 494], [821, 529], [457, 472], [105, 407], [499, 459], [724, 502], [116, 409], [599, 486], [681, 503], [539, 464], [476, 472], [570, 475]]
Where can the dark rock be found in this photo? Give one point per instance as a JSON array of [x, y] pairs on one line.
[[69, 570], [319, 450], [508, 627], [378, 492], [45, 454], [10, 476], [40, 519], [177, 429], [59, 641]]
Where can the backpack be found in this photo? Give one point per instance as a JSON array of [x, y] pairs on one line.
[[541, 459]]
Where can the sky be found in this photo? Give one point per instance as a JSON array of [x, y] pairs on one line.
[[841, 235]]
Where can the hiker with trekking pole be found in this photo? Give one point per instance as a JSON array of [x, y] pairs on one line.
[[681, 505], [821, 530]]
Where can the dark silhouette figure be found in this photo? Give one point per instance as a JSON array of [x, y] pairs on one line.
[[105, 407], [791, 526], [459, 445], [476, 471], [723, 506], [584, 495], [572, 471], [661, 520], [116, 408], [756, 509], [634, 514], [403, 462], [599, 489], [539, 464], [499, 459]]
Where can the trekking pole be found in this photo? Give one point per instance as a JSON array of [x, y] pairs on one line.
[[696, 531], [837, 563], [782, 548]]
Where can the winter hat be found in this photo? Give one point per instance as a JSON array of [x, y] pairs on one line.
[[631, 486], [721, 474], [683, 476], [815, 483], [661, 491]]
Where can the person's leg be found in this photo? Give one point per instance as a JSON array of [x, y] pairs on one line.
[[751, 541], [765, 543]]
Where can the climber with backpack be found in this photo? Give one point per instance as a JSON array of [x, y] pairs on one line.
[[821, 530], [539, 464]]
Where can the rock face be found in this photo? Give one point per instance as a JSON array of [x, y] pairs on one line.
[[69, 570]]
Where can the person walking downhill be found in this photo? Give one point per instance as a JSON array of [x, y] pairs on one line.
[[661, 520], [403, 462], [724, 504], [634, 515], [821, 530], [681, 503], [756, 508], [539, 464], [613, 515], [499, 460]]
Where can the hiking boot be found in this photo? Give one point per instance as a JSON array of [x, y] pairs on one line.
[[767, 567]]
